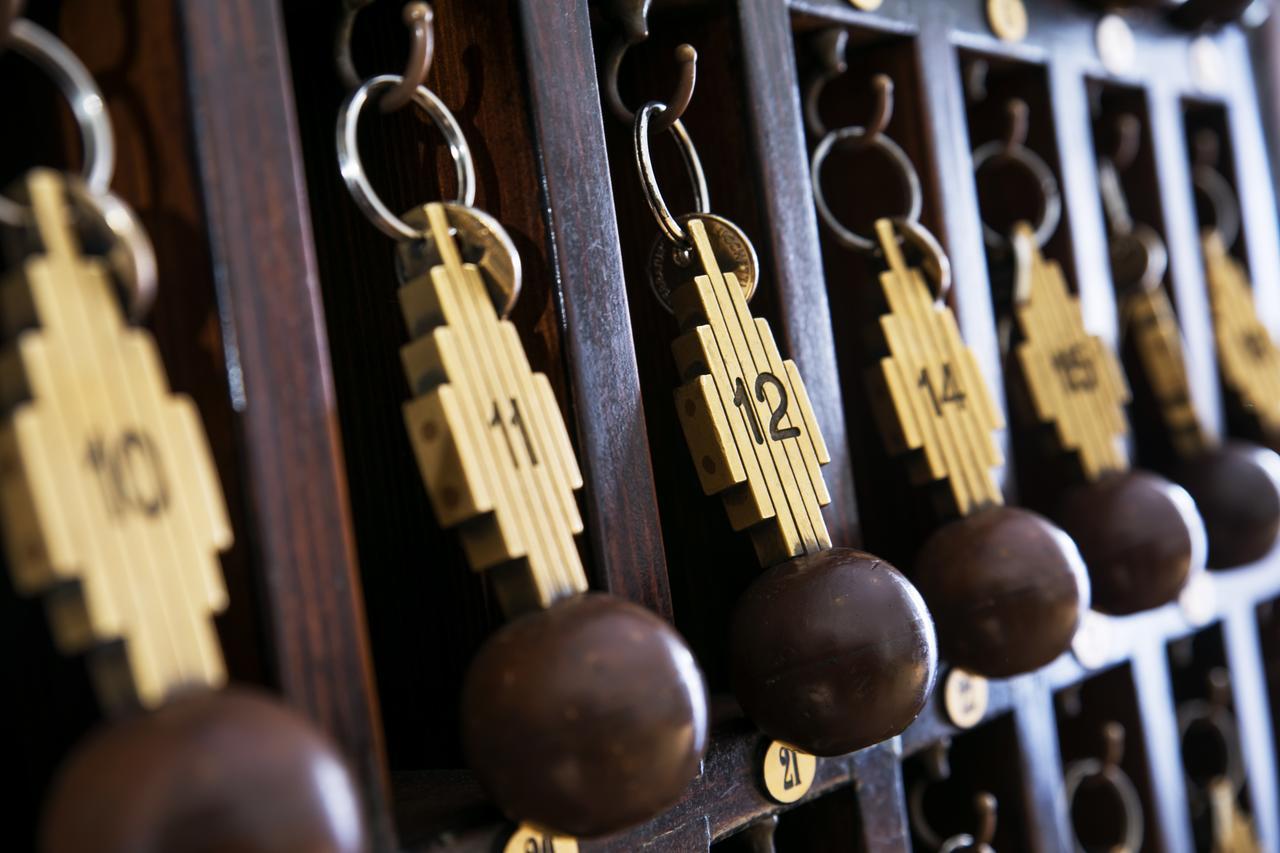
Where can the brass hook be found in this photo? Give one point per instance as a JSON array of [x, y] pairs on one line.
[[830, 46], [987, 808], [9, 12], [1016, 131], [1128, 141], [1112, 744], [673, 108], [420, 20]]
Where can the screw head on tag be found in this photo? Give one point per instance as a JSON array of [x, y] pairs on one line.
[[529, 839], [965, 697], [1116, 46], [1092, 643], [788, 772], [867, 5], [1199, 600], [1008, 19], [733, 252], [481, 241]]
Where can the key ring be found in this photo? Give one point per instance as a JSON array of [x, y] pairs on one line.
[[1107, 770], [352, 168], [1013, 151], [671, 228], [871, 136], [87, 105], [1216, 189], [1215, 715]]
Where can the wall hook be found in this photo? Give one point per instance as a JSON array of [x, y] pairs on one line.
[[9, 11], [420, 20], [631, 17], [830, 47]]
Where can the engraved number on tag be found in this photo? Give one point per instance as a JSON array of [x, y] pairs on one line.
[[517, 423], [950, 393], [130, 474], [966, 697], [788, 772], [1076, 368], [529, 839], [743, 401]]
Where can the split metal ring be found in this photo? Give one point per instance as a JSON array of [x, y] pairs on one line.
[[1001, 151], [352, 168], [87, 105], [861, 137], [1121, 786], [671, 228]]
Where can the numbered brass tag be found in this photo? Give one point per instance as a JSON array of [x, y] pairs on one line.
[[788, 772], [1149, 318], [965, 696], [745, 412], [1232, 830], [934, 399], [1247, 356], [1074, 379], [529, 839], [491, 444], [108, 494]]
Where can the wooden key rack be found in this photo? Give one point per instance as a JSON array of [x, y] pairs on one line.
[[350, 601]]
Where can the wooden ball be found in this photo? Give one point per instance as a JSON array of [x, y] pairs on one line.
[[1140, 536], [585, 718], [226, 771], [1006, 589], [1237, 489], [832, 652]]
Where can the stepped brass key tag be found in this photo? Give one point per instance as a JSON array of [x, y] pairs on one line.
[[745, 412], [1075, 381], [564, 707], [941, 406], [807, 682], [111, 510], [1247, 355], [108, 484], [488, 435]]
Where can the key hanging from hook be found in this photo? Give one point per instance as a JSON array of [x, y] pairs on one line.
[[631, 18], [420, 20]]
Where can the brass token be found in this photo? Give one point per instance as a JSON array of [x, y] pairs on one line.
[[528, 839], [867, 5], [480, 241], [965, 696], [788, 772], [1008, 19], [669, 267]]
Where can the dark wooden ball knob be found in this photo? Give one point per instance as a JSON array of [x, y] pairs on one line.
[[832, 652], [585, 718], [1006, 589], [225, 772], [1237, 490], [1194, 14], [1140, 537]]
